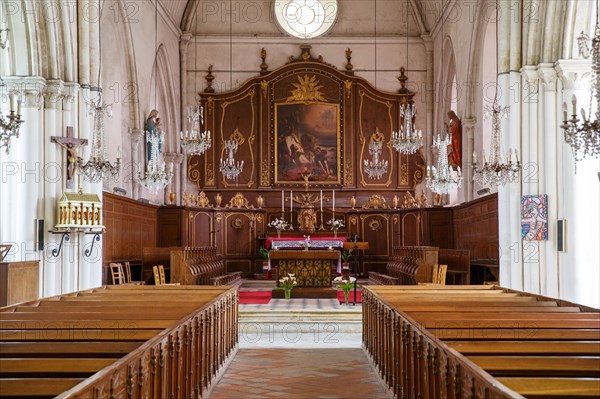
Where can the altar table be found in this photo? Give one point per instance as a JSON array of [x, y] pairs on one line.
[[298, 242], [311, 268]]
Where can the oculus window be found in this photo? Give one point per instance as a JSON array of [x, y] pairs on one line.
[[305, 19]]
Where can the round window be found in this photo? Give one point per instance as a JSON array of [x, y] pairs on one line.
[[305, 19]]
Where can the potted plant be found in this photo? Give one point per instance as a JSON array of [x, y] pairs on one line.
[[264, 254], [346, 255], [345, 285]]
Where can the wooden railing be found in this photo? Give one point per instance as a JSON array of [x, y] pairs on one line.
[[200, 266], [414, 334], [119, 341]]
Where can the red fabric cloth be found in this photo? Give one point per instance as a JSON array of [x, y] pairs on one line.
[[301, 238], [254, 297]]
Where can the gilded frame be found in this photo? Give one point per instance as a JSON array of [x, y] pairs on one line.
[[323, 165]]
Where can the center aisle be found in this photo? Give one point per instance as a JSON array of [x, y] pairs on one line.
[[300, 373]]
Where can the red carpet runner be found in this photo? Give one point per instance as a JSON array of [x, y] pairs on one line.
[[254, 297]]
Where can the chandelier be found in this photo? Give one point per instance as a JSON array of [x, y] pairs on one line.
[[9, 127], [408, 140], [375, 168], [443, 179], [230, 169], [495, 171], [194, 142], [584, 138], [155, 178], [98, 167]]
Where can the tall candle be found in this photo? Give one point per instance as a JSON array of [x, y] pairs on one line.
[[291, 201], [282, 203], [333, 200], [321, 195]]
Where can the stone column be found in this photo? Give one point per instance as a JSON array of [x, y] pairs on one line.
[[429, 92], [468, 125], [549, 135], [184, 42], [137, 165]]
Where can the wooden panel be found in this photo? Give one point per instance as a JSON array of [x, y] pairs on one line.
[[411, 229], [438, 228], [476, 227], [19, 281], [130, 226]]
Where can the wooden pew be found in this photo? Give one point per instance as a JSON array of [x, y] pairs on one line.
[[454, 342], [133, 341]]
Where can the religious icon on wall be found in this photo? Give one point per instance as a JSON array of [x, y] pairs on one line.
[[307, 142], [454, 128], [534, 217]]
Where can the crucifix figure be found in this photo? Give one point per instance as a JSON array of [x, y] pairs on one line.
[[71, 144]]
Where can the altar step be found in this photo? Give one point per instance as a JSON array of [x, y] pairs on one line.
[[300, 323]]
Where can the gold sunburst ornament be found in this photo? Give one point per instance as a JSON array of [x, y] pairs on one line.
[[308, 89]]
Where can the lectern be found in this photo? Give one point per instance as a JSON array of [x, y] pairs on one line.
[[355, 246]]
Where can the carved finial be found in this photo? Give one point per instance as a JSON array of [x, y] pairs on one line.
[[263, 67], [209, 79], [403, 90], [349, 65]]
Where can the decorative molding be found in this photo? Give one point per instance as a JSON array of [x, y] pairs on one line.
[[307, 90], [376, 202], [239, 201], [574, 73], [348, 173]]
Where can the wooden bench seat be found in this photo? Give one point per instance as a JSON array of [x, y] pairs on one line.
[[526, 347], [118, 339], [442, 338], [36, 387], [570, 388], [537, 366]]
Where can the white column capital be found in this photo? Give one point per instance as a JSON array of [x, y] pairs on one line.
[[53, 94], [427, 42], [548, 76], [530, 73], [173, 157], [574, 73], [184, 41], [136, 135], [31, 87], [69, 94]]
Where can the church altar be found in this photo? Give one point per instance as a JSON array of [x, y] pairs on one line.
[[298, 242], [311, 268]]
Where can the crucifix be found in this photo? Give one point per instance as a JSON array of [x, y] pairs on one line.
[[71, 144]]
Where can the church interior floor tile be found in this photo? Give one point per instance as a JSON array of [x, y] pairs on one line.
[[300, 373]]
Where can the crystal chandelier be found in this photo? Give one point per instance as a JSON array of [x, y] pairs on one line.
[[230, 169], [496, 172], [155, 178], [9, 127], [443, 179], [375, 168], [408, 140], [98, 167], [584, 138], [194, 142]]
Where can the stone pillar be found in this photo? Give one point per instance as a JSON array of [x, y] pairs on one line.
[[137, 136], [578, 188], [468, 125], [549, 135], [429, 92], [184, 42]]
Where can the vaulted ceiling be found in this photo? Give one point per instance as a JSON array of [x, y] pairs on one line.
[[388, 19]]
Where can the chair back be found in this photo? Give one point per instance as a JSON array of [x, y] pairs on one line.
[[116, 272], [441, 279], [161, 272], [435, 274], [127, 272]]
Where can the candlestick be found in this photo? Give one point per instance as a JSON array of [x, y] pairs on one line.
[[574, 102], [291, 210], [282, 205], [321, 195], [333, 200], [474, 157]]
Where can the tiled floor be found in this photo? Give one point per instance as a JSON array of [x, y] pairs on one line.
[[299, 374]]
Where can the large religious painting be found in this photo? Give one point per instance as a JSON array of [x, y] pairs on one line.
[[534, 217], [307, 142]]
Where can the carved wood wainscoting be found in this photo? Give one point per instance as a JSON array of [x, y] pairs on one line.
[[476, 227], [119, 342], [480, 342], [19, 281], [130, 226]]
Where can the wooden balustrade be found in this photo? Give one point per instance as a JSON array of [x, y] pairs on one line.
[[512, 345], [119, 341], [200, 266]]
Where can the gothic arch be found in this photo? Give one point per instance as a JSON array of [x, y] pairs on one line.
[[165, 87]]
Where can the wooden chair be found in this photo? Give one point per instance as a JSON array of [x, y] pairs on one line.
[[4, 250], [116, 272], [128, 276], [441, 277], [435, 273], [156, 275], [159, 276]]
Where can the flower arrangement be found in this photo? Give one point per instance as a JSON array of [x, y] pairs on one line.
[[335, 223], [279, 224], [306, 243], [286, 284], [345, 285]]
